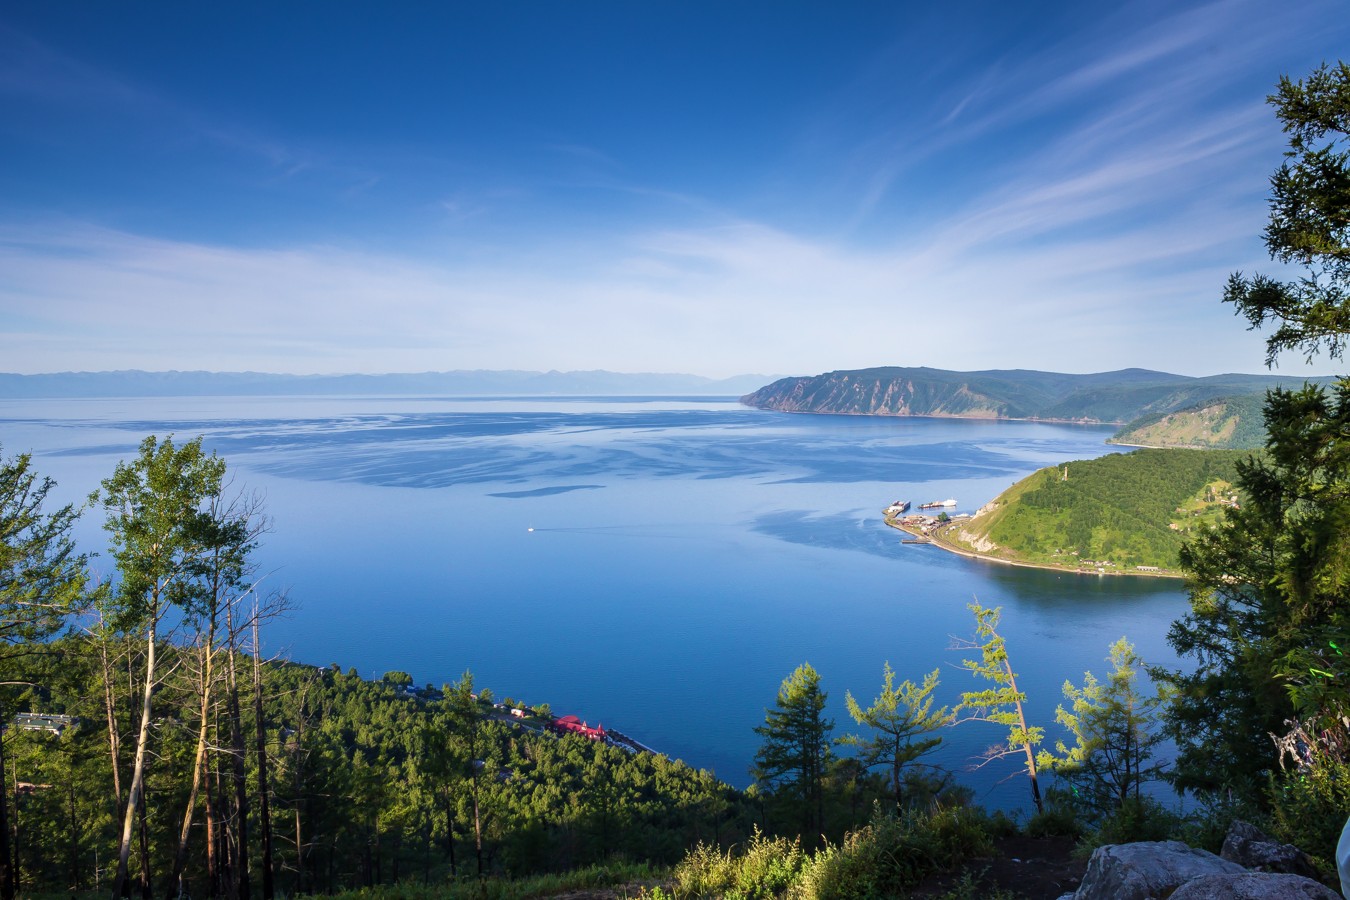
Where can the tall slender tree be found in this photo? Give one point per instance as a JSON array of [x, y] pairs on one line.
[[1001, 705], [1270, 586], [42, 580], [159, 525], [470, 742], [795, 753], [228, 536]]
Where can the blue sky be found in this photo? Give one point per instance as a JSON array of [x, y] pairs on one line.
[[713, 188]]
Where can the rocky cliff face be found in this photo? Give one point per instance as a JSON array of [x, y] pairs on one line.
[[1220, 410], [853, 393]]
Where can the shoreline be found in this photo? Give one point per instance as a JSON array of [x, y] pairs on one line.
[[938, 541], [907, 415]]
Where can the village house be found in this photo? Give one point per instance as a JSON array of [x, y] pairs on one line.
[[573, 725]]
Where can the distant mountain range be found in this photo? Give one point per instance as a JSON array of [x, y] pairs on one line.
[[1116, 398], [479, 382]]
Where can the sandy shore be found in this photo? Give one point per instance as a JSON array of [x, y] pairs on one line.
[[938, 540]]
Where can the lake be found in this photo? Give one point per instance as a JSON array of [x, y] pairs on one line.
[[657, 565]]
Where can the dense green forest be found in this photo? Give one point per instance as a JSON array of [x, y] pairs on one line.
[[367, 782], [1126, 509]]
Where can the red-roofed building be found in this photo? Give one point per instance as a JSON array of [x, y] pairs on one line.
[[573, 725]]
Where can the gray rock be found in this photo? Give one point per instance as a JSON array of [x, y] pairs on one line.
[[1151, 869], [1253, 849], [1254, 886], [1343, 859]]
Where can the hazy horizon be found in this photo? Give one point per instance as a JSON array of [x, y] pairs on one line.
[[1262, 372]]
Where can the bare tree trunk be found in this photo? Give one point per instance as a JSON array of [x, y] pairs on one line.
[[122, 884], [477, 820], [264, 809], [110, 707], [18, 830], [299, 853], [7, 869], [74, 848], [1022, 721], [145, 849], [242, 884], [212, 829], [206, 676]]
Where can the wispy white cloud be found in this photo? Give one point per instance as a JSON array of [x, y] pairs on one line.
[[1076, 210], [719, 299], [1124, 85]]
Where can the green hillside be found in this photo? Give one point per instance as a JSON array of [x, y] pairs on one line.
[[1104, 397], [1230, 423], [1125, 510]]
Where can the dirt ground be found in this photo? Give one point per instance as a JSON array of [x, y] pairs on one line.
[[1031, 868]]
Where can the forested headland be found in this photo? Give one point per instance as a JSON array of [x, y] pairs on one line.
[[366, 783], [149, 749], [1116, 513]]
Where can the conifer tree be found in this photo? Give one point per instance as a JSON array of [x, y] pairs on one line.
[[1270, 587], [796, 749], [1112, 725], [1001, 705], [1309, 222], [903, 721], [42, 580]]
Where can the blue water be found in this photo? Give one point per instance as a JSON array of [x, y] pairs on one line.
[[656, 565]]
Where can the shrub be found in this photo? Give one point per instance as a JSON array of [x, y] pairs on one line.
[[1137, 819], [882, 859], [1058, 819], [766, 868], [1309, 807], [892, 853], [1208, 827]]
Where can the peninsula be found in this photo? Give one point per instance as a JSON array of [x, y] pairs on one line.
[[1122, 514]]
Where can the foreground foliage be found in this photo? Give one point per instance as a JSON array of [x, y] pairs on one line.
[[1113, 727], [1270, 605], [1264, 715], [371, 785], [795, 754], [882, 859]]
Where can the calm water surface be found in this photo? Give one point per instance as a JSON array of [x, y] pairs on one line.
[[686, 554]]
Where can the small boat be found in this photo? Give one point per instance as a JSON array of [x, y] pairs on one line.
[[937, 504]]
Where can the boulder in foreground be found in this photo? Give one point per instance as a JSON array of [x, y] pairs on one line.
[[1148, 870]]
